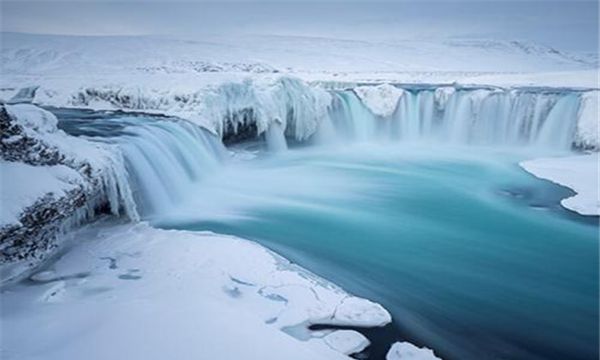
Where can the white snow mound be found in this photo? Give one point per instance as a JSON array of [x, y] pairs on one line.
[[382, 99], [127, 284], [579, 172], [408, 351]]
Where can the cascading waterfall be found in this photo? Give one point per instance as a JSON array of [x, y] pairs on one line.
[[351, 119], [163, 158], [464, 116], [166, 159]]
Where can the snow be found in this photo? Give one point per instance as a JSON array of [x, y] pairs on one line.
[[209, 80], [442, 95], [408, 351], [354, 311], [382, 99], [578, 172], [23, 185], [33, 118], [347, 341], [131, 291], [105, 163]]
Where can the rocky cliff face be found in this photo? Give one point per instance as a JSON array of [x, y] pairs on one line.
[[28, 135]]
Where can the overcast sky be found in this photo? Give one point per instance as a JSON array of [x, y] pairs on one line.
[[567, 24]]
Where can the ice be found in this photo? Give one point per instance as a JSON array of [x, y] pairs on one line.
[[587, 135], [310, 55], [354, 311], [212, 82], [408, 351], [347, 341], [34, 120], [382, 99], [137, 292], [100, 165], [578, 172]]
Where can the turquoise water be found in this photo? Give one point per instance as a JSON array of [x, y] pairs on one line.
[[472, 256]]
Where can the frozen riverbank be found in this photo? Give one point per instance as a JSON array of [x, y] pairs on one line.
[[131, 291], [579, 173]]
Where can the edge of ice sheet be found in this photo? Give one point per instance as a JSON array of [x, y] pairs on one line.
[[26, 184], [579, 173], [405, 350], [132, 291]]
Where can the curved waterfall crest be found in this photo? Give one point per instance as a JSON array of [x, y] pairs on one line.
[[484, 116], [246, 109], [165, 159], [159, 160]]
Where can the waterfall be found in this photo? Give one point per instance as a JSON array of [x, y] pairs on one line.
[[275, 137], [165, 160], [483, 116], [351, 119]]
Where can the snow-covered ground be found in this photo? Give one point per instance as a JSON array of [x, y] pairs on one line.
[[75, 55], [70, 162], [579, 173], [22, 185], [132, 291], [63, 65]]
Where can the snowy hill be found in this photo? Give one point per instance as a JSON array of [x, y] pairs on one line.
[[24, 54]]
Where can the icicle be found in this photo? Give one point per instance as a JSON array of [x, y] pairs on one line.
[[275, 138]]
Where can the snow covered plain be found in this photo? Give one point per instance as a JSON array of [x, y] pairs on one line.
[[164, 67]]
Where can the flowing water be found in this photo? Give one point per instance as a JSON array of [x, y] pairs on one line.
[[472, 256]]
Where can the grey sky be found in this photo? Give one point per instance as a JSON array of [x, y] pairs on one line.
[[569, 25]]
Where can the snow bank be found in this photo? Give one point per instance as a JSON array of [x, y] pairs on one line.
[[347, 341], [382, 99], [442, 95], [579, 173], [37, 140], [223, 107], [339, 58], [51, 183], [131, 291], [408, 351], [23, 185]]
